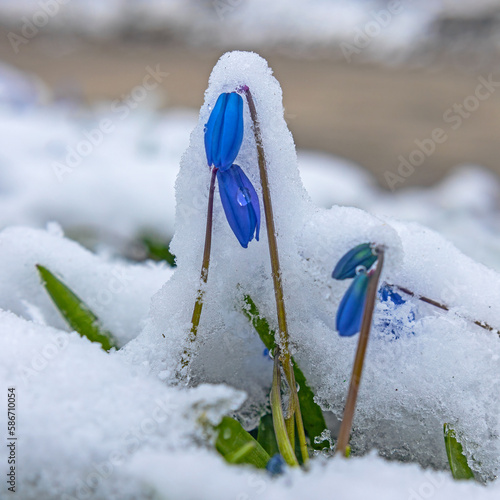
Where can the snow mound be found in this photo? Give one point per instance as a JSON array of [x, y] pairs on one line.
[[412, 385], [83, 414], [118, 293]]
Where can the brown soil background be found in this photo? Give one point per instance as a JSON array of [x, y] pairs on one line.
[[365, 112]]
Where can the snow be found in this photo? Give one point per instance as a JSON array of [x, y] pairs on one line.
[[105, 190], [124, 424], [117, 292], [311, 241], [370, 28], [83, 414]]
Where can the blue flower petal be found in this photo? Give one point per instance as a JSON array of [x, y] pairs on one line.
[[360, 255], [352, 305], [224, 131], [276, 465], [240, 203], [232, 131]]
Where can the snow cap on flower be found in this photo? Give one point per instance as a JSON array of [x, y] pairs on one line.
[[352, 305], [363, 255], [224, 131], [240, 203]]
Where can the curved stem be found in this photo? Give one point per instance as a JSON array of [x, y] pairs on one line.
[[198, 305], [357, 369], [277, 281]]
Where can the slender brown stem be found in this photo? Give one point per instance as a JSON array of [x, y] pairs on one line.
[[198, 305], [444, 307], [277, 281], [357, 369]]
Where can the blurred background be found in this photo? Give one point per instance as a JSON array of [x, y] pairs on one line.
[[393, 105]]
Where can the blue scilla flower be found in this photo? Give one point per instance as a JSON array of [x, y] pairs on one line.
[[352, 305], [361, 256], [276, 465], [240, 203], [224, 131]]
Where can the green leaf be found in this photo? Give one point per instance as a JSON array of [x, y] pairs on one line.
[[458, 462], [158, 250], [76, 313], [312, 416], [237, 446], [266, 436], [314, 421], [260, 324]]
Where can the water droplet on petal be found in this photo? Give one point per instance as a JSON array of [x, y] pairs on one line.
[[243, 197], [360, 269]]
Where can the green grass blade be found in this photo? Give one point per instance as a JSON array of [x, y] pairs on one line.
[[237, 446], [158, 250], [312, 416], [266, 437], [458, 462], [76, 313], [260, 324], [314, 421]]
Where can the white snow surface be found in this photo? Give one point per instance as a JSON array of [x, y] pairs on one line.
[[117, 292], [122, 425]]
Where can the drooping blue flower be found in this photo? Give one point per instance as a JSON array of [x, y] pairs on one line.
[[240, 203], [224, 131], [352, 305], [276, 465], [361, 255]]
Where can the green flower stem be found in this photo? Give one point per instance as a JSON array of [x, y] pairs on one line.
[[284, 445], [364, 334], [198, 305], [278, 288], [434, 303]]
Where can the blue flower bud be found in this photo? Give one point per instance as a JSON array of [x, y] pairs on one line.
[[276, 465], [224, 131], [362, 255], [240, 203], [352, 305]]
